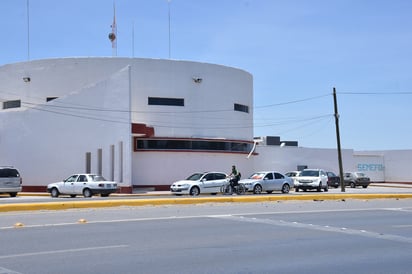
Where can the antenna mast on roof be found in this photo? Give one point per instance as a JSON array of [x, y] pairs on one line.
[[168, 7], [113, 34], [28, 30]]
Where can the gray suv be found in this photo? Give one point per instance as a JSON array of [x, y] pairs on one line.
[[10, 181]]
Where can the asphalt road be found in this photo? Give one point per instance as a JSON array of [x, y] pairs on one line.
[[352, 236]]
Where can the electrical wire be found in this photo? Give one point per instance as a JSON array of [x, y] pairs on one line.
[[55, 106]]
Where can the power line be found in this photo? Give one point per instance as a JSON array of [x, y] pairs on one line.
[[81, 116], [76, 107], [376, 93], [296, 120], [294, 101], [88, 108]]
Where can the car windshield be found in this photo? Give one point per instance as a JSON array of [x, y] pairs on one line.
[[257, 175], [195, 177], [360, 174], [71, 178], [310, 173], [97, 178]]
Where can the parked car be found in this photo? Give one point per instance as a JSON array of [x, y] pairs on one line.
[[268, 181], [200, 182], [10, 180], [292, 174], [333, 179], [83, 184], [354, 179], [312, 179]]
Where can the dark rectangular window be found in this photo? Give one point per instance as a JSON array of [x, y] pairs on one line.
[[243, 108], [161, 101], [48, 99], [192, 145], [11, 104]]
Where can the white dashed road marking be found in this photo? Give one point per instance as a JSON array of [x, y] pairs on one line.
[[344, 230], [60, 251]]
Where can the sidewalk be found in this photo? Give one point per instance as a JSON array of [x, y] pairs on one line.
[[168, 193], [392, 185]]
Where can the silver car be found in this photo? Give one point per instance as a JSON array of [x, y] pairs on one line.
[[10, 181], [354, 179], [268, 181]]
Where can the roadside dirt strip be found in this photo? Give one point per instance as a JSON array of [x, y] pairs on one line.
[[62, 205]]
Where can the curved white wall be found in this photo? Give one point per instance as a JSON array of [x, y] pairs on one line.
[[208, 110]]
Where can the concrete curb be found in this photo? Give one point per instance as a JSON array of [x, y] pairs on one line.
[[196, 200]]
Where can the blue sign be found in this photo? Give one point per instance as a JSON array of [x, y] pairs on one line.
[[371, 167]]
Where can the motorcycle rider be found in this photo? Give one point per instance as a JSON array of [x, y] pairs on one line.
[[235, 177]]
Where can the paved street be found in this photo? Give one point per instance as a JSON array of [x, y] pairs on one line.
[[353, 236]]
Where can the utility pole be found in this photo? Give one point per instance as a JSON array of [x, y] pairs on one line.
[[342, 182]]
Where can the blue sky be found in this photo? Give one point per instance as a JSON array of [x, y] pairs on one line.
[[296, 50]]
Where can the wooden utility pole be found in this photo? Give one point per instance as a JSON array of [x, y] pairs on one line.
[[342, 182]]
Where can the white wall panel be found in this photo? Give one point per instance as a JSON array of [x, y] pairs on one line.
[[49, 142]]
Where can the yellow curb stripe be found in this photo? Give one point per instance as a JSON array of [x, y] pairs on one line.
[[192, 200]]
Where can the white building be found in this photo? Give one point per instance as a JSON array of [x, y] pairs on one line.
[[141, 122], [146, 123]]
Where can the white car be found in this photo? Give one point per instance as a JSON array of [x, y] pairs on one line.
[[267, 181], [312, 179], [201, 182], [83, 184], [292, 174]]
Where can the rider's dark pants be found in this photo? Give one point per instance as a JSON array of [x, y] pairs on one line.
[[234, 182]]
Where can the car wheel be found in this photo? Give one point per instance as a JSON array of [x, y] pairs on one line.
[[104, 195], [257, 189], [73, 195], [364, 186], [13, 194], [87, 193], [296, 189], [285, 188], [352, 185], [326, 189], [269, 191], [54, 192], [320, 187], [194, 191]]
